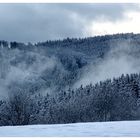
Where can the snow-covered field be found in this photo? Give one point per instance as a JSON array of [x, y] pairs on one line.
[[100, 129]]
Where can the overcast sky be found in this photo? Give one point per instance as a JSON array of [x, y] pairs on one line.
[[40, 22]]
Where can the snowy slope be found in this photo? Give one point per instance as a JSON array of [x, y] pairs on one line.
[[123, 128]]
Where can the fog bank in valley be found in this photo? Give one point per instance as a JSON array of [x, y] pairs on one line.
[[121, 59]]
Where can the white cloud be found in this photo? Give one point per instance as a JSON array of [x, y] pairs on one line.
[[130, 23]]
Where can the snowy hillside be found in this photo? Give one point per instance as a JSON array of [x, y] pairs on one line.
[[123, 128]]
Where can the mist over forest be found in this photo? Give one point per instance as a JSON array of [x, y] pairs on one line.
[[70, 80]]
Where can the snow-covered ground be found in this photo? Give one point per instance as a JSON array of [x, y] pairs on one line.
[[99, 129]]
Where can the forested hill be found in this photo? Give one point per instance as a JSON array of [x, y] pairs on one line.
[[66, 60], [111, 100], [56, 81], [90, 45]]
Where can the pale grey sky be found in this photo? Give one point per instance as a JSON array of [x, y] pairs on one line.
[[40, 22]]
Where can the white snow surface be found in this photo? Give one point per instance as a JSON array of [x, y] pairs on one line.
[[91, 129]]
